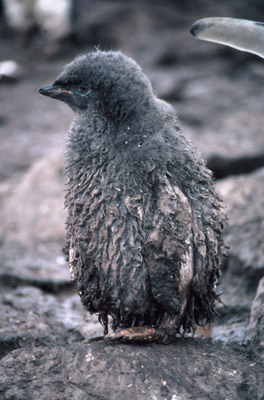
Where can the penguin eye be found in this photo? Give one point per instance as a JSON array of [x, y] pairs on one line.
[[82, 90]]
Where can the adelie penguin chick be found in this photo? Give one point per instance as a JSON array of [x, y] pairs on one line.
[[144, 228]]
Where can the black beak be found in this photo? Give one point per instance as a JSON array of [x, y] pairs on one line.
[[53, 91], [198, 27]]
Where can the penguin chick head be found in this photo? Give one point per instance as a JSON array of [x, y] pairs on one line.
[[106, 82]]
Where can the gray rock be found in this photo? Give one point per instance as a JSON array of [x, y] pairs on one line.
[[188, 369]]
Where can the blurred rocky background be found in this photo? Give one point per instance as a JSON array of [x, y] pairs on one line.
[[219, 97]]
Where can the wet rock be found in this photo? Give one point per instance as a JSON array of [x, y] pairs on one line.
[[114, 371]]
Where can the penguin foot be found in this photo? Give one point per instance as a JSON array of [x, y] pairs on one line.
[[93, 339], [139, 334]]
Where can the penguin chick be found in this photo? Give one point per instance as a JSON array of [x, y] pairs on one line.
[[144, 227]]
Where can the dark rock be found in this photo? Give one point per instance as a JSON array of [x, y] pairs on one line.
[[188, 369], [225, 166]]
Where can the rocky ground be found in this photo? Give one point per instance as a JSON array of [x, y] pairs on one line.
[[219, 97]]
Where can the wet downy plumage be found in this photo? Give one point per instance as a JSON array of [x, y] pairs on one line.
[[144, 227]]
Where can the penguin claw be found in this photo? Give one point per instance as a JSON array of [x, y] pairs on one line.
[[138, 334]]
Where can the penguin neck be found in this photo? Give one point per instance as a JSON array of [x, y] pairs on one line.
[[96, 139], [127, 109]]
